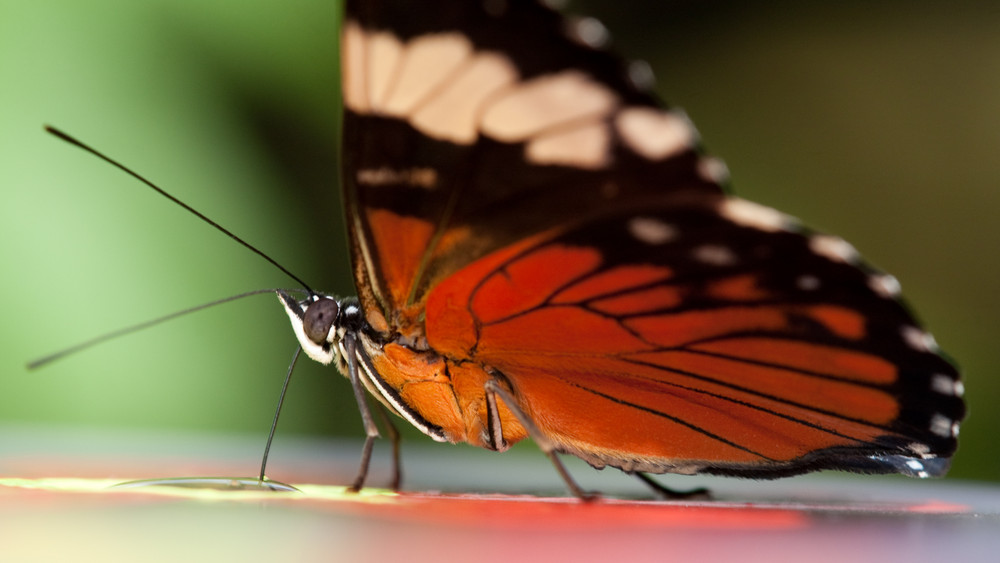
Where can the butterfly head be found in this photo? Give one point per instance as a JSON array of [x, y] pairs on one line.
[[320, 323]]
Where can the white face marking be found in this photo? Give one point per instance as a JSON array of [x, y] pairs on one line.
[[749, 214], [834, 248], [313, 350], [713, 170], [453, 113], [546, 102], [715, 255], [807, 282], [941, 425], [653, 133], [589, 31], [651, 230], [945, 385], [885, 285], [584, 147]]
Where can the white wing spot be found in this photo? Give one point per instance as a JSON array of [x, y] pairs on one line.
[[354, 78], [918, 339], [885, 285], [589, 32], [749, 214], [945, 385], [807, 283], [545, 102], [417, 177], [918, 467], [453, 113], [382, 56], [834, 248], [715, 255], [651, 230], [585, 147], [653, 133], [919, 449], [941, 425], [713, 170], [640, 74], [447, 90], [426, 63]]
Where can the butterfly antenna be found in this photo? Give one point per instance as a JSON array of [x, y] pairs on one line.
[[277, 412], [34, 364], [73, 141]]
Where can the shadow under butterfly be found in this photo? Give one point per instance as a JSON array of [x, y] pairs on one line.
[[541, 249]]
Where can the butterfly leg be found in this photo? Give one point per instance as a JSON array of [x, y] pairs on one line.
[[493, 390], [394, 438], [371, 430], [700, 493]]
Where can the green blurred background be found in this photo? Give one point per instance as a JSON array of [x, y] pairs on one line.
[[878, 122]]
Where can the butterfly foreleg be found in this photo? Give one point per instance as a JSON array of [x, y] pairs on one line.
[[494, 390], [350, 345]]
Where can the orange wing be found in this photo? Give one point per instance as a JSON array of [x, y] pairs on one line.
[[704, 337]]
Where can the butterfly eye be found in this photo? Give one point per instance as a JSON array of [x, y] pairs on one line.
[[319, 318]]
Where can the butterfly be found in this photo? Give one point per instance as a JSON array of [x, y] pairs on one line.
[[542, 250]]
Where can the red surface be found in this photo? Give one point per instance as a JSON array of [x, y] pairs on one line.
[[518, 513], [873, 519]]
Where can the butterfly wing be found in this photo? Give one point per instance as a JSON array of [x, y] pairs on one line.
[[468, 128], [519, 201], [705, 336]]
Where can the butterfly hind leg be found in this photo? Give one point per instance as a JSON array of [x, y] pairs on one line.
[[700, 493], [394, 439], [494, 390]]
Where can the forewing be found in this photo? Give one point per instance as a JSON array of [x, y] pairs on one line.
[[705, 336], [471, 125]]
